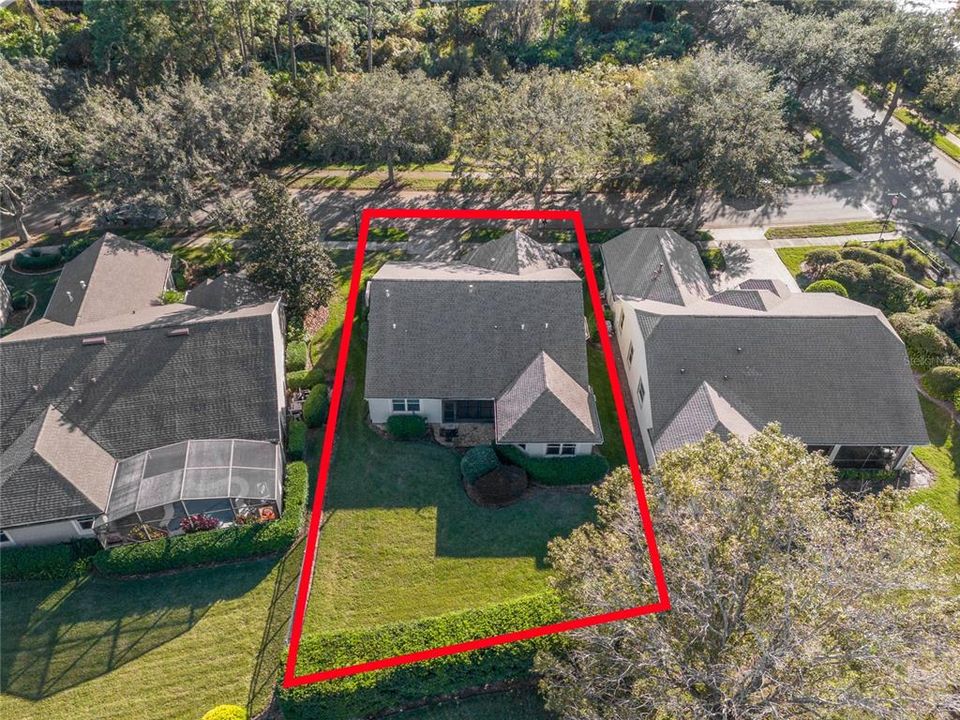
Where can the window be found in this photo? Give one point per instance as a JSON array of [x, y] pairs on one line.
[[471, 411], [4, 538], [553, 448], [641, 391], [630, 354], [406, 405], [568, 449], [85, 524], [623, 316]]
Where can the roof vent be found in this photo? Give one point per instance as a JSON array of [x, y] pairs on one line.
[[96, 340], [35, 388], [683, 370], [726, 377], [523, 326], [69, 296], [83, 284], [178, 332], [394, 326], [546, 325], [739, 349], [387, 292]]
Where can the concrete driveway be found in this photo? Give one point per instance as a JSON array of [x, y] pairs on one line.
[[749, 254]]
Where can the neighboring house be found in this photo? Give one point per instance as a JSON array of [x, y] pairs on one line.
[[121, 415], [493, 347], [831, 371]]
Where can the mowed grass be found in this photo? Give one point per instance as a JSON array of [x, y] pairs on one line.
[[401, 540], [855, 227], [612, 448], [794, 257], [942, 457], [166, 647]]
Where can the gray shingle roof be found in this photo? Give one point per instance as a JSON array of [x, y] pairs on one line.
[[54, 471], [514, 253], [704, 411], [147, 377], [655, 264], [545, 404], [458, 331], [226, 292], [112, 277], [826, 379]]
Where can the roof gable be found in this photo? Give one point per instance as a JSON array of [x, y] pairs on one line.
[[113, 276], [515, 253], [704, 411]]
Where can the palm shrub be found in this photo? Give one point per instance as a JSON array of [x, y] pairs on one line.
[[407, 427], [478, 461], [827, 286], [316, 406]]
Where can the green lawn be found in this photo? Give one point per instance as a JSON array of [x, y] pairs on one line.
[[167, 646], [793, 257], [612, 448], [942, 456], [856, 227], [928, 132]]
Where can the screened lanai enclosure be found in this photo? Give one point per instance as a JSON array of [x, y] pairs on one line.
[[175, 488]]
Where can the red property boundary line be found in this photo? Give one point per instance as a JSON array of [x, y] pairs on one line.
[[290, 678]]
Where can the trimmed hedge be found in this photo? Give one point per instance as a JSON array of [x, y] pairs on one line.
[[927, 345], [47, 562], [869, 257], [299, 379], [296, 357], [943, 382], [478, 461], [232, 543], [572, 470], [407, 427], [816, 260], [296, 439], [32, 260], [827, 286], [371, 693], [226, 712], [316, 407]]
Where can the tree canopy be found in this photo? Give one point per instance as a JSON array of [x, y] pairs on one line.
[[716, 123], [789, 599], [284, 253]]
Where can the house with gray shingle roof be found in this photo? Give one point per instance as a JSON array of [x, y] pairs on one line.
[[119, 413], [495, 342], [830, 370]]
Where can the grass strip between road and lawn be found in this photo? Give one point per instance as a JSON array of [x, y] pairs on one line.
[[928, 131], [854, 227]]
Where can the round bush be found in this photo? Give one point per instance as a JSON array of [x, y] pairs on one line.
[[943, 382], [478, 461], [20, 301], [851, 274], [407, 427], [226, 712], [869, 257], [316, 406], [35, 260], [888, 289], [827, 286], [816, 260]]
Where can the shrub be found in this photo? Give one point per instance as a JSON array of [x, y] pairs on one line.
[[316, 406], [889, 290], [77, 244], [817, 260], [373, 693], [572, 470], [172, 297], [869, 257], [296, 357], [299, 379], [927, 345], [942, 382], [35, 260], [893, 248], [827, 286], [296, 439], [20, 301], [47, 562], [915, 261], [198, 523], [479, 461], [851, 274], [232, 543], [407, 427], [226, 712]]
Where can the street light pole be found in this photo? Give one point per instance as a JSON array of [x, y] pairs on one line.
[[954, 236], [894, 201]]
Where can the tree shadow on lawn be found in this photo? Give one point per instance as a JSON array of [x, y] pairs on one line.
[[58, 635]]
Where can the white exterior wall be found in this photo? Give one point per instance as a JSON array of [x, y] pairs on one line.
[[382, 408], [46, 533], [637, 369], [540, 449], [279, 367]]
